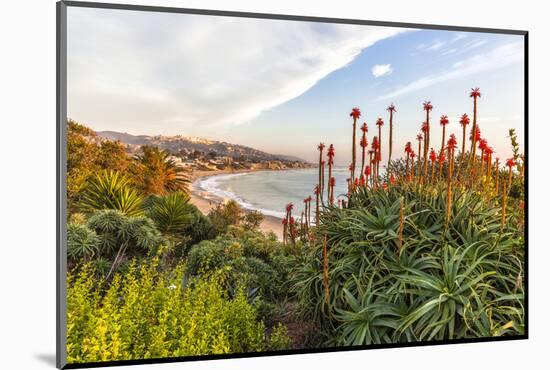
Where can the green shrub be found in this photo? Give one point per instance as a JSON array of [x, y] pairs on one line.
[[279, 339], [81, 242], [110, 190], [250, 256], [443, 281], [145, 313], [225, 215]]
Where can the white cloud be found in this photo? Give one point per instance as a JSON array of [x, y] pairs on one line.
[[436, 45], [380, 70], [498, 57], [149, 72]]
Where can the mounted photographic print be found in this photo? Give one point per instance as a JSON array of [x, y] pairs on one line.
[[238, 184]]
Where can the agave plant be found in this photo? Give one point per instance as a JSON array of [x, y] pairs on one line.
[[399, 270], [171, 213], [82, 243], [123, 234], [111, 190]]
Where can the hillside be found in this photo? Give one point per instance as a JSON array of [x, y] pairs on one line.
[[186, 146]]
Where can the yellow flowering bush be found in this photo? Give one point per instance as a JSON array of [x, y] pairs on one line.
[[148, 313]]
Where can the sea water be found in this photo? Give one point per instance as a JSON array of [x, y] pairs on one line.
[[270, 191]]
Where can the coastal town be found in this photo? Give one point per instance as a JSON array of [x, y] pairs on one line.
[[199, 154]]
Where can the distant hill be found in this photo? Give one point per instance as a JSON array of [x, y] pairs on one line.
[[184, 144]]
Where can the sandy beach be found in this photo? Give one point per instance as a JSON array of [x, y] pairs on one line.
[[205, 202]]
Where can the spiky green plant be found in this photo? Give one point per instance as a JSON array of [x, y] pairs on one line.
[[399, 273], [171, 213], [81, 242], [111, 190]]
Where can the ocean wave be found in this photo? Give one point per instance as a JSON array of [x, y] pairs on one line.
[[211, 185]]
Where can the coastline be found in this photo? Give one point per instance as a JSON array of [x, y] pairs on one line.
[[205, 201]]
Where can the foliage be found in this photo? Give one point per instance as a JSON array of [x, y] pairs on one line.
[[112, 155], [81, 159], [439, 281], [136, 234], [111, 190], [109, 236], [250, 257], [171, 212], [225, 215], [148, 313], [278, 339], [252, 220], [81, 242], [157, 174]]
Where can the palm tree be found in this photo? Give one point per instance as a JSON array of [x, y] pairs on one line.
[[379, 123], [355, 113], [158, 173], [391, 109], [443, 121], [427, 107], [475, 93], [363, 144], [464, 121]]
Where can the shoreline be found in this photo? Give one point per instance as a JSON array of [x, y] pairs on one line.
[[205, 201]]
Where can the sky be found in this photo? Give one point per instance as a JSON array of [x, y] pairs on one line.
[[284, 86]]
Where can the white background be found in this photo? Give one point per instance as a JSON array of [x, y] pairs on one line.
[[27, 183]]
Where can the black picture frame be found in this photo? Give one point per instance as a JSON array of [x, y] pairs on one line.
[[61, 161]]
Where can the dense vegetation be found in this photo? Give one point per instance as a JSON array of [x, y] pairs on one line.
[[431, 249]]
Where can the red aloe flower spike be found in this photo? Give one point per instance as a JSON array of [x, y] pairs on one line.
[[289, 207], [420, 138], [497, 172], [392, 179], [475, 94], [355, 113], [332, 184], [482, 145], [391, 109], [321, 168], [464, 121], [443, 121], [511, 163], [427, 107], [317, 192], [330, 155], [441, 161], [379, 123], [363, 143], [408, 150], [433, 157], [412, 155]]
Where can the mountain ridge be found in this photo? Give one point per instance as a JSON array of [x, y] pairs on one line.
[[178, 143]]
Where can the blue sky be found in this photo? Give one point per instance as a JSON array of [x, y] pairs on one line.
[[283, 86]]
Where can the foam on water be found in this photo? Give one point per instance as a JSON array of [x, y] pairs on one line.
[[267, 191]]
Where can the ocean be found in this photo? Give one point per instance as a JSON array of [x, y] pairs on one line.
[[269, 191]]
